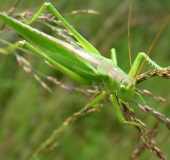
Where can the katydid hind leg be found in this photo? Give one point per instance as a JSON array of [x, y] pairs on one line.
[[85, 44], [29, 47], [10, 49]]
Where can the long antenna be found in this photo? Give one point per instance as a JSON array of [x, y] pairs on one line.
[[155, 39], [129, 50]]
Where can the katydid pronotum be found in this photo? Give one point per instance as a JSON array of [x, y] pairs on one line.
[[83, 64]]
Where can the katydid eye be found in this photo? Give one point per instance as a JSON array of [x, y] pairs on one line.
[[122, 87]]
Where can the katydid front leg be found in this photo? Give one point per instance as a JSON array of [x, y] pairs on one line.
[[137, 62], [119, 114], [117, 109]]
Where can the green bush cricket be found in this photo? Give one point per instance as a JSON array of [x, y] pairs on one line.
[[84, 65]]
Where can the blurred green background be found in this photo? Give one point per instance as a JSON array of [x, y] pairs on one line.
[[29, 114]]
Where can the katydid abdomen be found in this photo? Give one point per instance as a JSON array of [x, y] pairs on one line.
[[84, 64], [56, 49], [96, 69]]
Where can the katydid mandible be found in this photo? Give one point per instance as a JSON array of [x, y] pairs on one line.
[[83, 64]]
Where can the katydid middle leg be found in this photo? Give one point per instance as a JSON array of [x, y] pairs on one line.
[[97, 99], [113, 56]]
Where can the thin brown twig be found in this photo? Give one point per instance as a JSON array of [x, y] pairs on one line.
[[148, 93], [139, 150], [51, 140], [27, 67], [160, 116], [10, 11], [146, 136], [164, 73]]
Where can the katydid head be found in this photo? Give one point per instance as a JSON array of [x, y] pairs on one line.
[[125, 89]]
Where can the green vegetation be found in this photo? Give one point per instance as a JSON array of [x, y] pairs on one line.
[[29, 114]]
